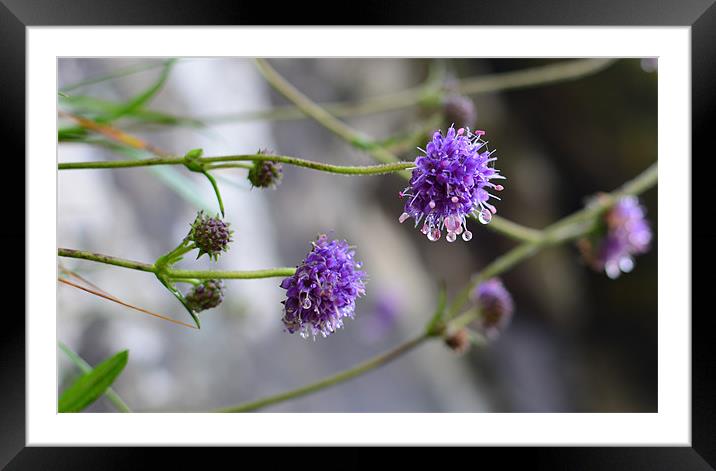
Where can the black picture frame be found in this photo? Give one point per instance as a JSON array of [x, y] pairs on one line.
[[700, 15]]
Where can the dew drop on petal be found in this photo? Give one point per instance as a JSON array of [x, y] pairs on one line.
[[450, 237], [452, 223], [432, 204], [612, 270], [434, 234], [499, 187], [466, 236], [425, 229], [306, 303], [454, 199], [485, 216], [626, 264], [403, 217]]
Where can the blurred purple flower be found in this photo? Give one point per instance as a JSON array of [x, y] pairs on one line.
[[323, 290], [383, 317], [496, 307], [449, 182], [627, 233]]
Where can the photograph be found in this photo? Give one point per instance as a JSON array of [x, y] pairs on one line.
[[324, 234]]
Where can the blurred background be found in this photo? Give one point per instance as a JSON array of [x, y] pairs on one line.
[[578, 341]]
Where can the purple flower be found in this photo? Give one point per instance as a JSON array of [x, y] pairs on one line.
[[323, 290], [495, 305], [626, 233], [451, 181]]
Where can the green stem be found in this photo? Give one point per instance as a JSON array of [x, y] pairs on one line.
[[177, 274], [106, 259], [357, 370], [320, 166], [233, 275], [216, 191], [543, 75]]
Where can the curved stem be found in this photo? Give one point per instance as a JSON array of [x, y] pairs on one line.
[[329, 381], [177, 274], [216, 191], [285, 159], [320, 115]]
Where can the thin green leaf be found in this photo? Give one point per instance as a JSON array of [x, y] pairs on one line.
[[100, 109], [85, 367], [115, 74], [90, 386], [144, 97]]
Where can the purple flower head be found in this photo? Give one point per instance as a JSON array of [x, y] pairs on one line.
[[450, 182], [496, 307], [323, 290], [627, 233]]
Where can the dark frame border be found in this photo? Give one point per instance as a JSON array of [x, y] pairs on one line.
[[16, 15]]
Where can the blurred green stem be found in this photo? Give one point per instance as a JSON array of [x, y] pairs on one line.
[[345, 375], [320, 115], [565, 230]]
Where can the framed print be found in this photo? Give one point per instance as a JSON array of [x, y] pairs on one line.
[[322, 235]]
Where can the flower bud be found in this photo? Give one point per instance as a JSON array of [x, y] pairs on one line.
[[460, 111], [265, 173], [211, 235], [458, 341], [496, 307], [206, 295]]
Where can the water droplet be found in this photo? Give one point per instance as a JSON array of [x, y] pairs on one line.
[[485, 216], [451, 236], [454, 199], [452, 223], [434, 234], [499, 187], [466, 236], [612, 270], [403, 217], [459, 230], [306, 303], [425, 229], [432, 204], [626, 264]]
